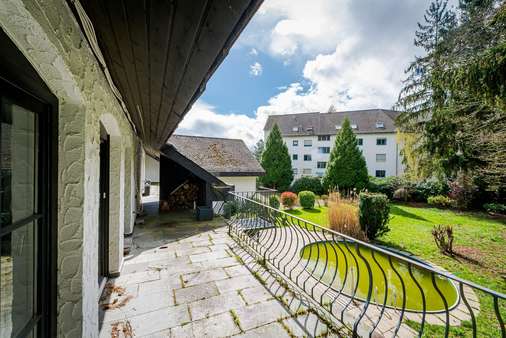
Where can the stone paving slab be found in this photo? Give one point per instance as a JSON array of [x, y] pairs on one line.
[[215, 305], [139, 305], [256, 294], [237, 283], [256, 315], [237, 270], [273, 330], [209, 256], [151, 322], [196, 292], [206, 276], [306, 325]]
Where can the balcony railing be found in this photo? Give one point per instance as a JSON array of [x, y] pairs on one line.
[[368, 290]]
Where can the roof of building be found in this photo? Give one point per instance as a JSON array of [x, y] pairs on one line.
[[219, 156], [316, 123]]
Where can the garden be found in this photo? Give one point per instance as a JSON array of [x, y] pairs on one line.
[[474, 241]]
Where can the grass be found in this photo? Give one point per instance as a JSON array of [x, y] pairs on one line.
[[480, 243]]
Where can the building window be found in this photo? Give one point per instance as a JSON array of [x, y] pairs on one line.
[[380, 125], [295, 171], [354, 126], [319, 174], [381, 157], [307, 157], [306, 171], [321, 165], [338, 127], [360, 141], [380, 173], [323, 137], [308, 143], [324, 150], [381, 141], [295, 143], [295, 157], [295, 129]]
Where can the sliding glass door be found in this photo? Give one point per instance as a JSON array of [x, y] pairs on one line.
[[23, 212]]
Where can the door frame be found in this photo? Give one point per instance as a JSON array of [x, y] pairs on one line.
[[20, 79], [104, 206]]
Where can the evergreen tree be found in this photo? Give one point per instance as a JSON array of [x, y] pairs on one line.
[[421, 91], [259, 149], [346, 168], [423, 95], [276, 162]]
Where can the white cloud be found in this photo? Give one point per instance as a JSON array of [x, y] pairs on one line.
[[354, 54], [203, 120], [256, 69]]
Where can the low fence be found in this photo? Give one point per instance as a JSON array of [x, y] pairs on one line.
[[358, 287]]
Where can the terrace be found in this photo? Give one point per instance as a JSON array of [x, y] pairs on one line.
[[185, 278], [263, 272]]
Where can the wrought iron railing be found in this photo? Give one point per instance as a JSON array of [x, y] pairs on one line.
[[368, 290]]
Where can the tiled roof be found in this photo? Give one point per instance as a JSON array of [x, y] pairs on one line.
[[219, 156], [316, 123]]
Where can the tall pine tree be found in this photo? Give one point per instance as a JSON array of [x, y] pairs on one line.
[[346, 168], [423, 94], [276, 162]]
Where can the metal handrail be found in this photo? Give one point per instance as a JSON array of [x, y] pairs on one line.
[[257, 227]]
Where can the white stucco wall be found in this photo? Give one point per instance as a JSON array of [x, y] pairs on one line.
[[241, 183], [50, 38], [152, 169], [393, 165]]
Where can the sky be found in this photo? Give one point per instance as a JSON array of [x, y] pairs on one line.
[[298, 56]]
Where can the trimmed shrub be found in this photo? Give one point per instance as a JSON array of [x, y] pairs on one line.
[[373, 212], [387, 185], [306, 199], [229, 209], [288, 199], [495, 207], [401, 194], [307, 183], [274, 202], [440, 201], [421, 191]]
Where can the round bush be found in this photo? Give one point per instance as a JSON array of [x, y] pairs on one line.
[[307, 183], [440, 201], [373, 213], [274, 202], [306, 199], [229, 209], [401, 194], [288, 199]]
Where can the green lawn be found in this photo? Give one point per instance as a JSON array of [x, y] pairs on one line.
[[480, 242]]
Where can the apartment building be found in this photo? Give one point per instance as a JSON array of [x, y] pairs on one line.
[[311, 136]]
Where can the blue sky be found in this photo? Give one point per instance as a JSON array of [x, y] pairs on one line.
[[297, 56], [235, 89]]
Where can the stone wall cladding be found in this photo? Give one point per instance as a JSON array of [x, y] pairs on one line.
[[49, 36]]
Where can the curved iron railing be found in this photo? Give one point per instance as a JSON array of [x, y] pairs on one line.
[[369, 290]]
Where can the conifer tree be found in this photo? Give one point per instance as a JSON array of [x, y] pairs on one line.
[[422, 90], [259, 149], [346, 168], [276, 162]]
